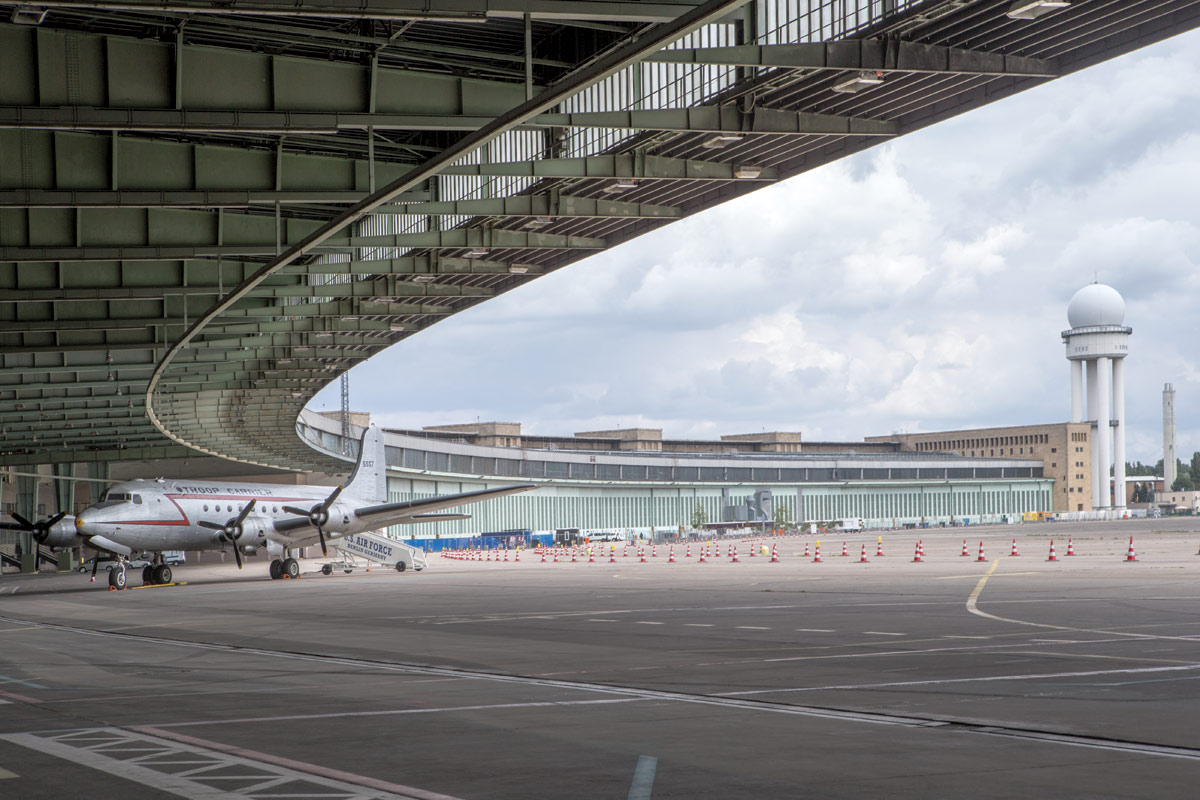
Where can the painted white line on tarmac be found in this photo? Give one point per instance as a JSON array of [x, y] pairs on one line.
[[697, 625], [752, 628], [882, 633], [643, 622], [643, 778], [816, 630], [986, 679]]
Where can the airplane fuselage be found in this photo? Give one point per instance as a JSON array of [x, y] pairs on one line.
[[154, 515]]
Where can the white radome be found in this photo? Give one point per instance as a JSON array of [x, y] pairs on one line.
[[1096, 304]]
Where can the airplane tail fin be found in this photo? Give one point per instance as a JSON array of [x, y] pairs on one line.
[[369, 479]]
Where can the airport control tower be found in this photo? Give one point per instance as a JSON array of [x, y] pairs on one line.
[[1098, 340]]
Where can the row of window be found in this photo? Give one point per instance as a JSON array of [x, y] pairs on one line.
[[984, 442], [408, 458]]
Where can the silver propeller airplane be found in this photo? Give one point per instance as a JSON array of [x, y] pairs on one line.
[[158, 516]]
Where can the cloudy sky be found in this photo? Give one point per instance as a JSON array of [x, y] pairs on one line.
[[919, 286]]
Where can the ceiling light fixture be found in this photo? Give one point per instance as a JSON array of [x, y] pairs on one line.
[[518, 269], [539, 222], [721, 140], [477, 252], [1032, 9], [424, 278], [747, 171], [856, 83], [28, 15]]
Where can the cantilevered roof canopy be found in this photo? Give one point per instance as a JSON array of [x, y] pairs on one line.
[[211, 209]]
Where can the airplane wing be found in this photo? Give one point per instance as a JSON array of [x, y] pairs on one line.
[[409, 511], [412, 510]]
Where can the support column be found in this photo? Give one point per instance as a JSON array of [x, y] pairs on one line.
[[1103, 428], [1091, 396], [1118, 394], [27, 491], [1076, 391]]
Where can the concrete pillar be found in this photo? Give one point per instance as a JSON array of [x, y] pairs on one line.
[[27, 491], [1103, 428], [1094, 436], [1118, 394], [1076, 391]]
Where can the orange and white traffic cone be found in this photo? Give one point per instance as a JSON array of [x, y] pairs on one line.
[[964, 550], [1052, 556], [817, 554], [862, 557], [844, 553], [556, 555], [654, 551], [642, 554], [506, 554], [688, 554], [703, 560], [921, 547], [807, 552], [917, 553], [591, 556], [774, 554], [1014, 549], [1130, 556], [982, 557], [1070, 546], [574, 555], [878, 546], [671, 555], [517, 556], [718, 549], [543, 561], [733, 554]]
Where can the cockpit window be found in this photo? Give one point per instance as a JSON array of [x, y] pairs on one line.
[[115, 497], [137, 499]]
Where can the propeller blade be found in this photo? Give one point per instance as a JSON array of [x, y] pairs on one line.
[[95, 564], [28, 525], [324, 549], [245, 512], [299, 512], [203, 523], [50, 523], [330, 500], [237, 555]]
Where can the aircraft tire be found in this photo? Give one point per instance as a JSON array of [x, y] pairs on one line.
[[401, 566], [116, 578], [327, 569], [291, 568], [162, 574], [148, 575], [276, 569]]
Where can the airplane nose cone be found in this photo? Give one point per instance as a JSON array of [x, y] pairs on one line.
[[85, 525]]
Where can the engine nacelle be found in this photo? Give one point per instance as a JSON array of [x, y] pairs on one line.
[[340, 517], [63, 534]]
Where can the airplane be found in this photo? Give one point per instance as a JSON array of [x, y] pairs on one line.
[[161, 515]]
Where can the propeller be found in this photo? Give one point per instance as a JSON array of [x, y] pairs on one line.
[[318, 515], [231, 531], [39, 529]]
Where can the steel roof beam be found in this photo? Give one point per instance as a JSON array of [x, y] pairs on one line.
[[723, 119], [626, 165], [184, 198], [383, 287], [884, 55], [426, 264], [537, 205]]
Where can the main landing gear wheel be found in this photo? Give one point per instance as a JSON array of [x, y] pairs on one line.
[[291, 568], [116, 578], [327, 569], [162, 574], [148, 575], [400, 566], [276, 569]]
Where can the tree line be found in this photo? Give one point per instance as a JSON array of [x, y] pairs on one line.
[[1187, 474]]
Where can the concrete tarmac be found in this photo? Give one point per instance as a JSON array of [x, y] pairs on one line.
[[951, 677]]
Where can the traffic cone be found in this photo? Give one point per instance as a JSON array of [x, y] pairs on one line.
[[1052, 556], [964, 552], [752, 549], [807, 552], [844, 553], [625, 551], [642, 554], [654, 551], [879, 546], [489, 555], [774, 554], [917, 553], [1130, 556], [703, 560], [1070, 546], [718, 549], [733, 552], [862, 557], [506, 554], [591, 556], [1014, 549], [689, 550], [817, 554], [574, 555], [982, 557], [671, 555], [556, 555], [921, 547], [517, 556], [543, 561]]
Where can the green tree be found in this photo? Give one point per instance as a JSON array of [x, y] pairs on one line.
[[699, 517], [1183, 482], [1195, 468], [782, 517]]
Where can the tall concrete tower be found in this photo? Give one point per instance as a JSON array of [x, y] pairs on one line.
[[1098, 342], [1169, 458]]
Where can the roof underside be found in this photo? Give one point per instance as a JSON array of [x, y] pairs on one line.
[[209, 213]]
